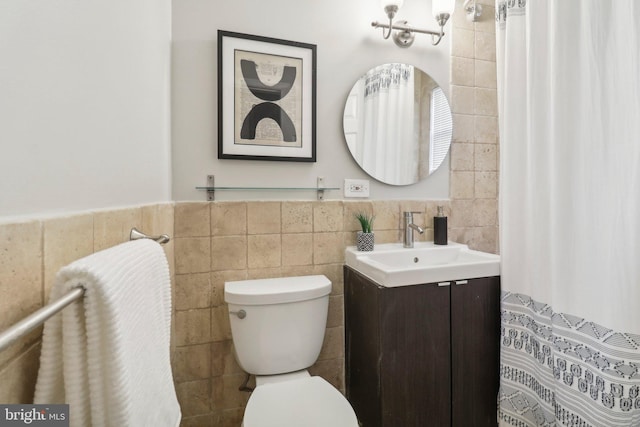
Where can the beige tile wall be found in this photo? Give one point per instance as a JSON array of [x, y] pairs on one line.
[[213, 243], [474, 151], [221, 241]]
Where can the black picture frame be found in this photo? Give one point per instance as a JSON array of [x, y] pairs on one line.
[[266, 98]]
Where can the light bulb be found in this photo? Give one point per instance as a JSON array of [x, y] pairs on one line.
[[439, 7], [397, 3]]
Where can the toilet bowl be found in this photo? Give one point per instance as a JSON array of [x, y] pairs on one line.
[[278, 327], [309, 401]]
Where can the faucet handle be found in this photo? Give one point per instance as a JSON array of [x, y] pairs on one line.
[[409, 214]]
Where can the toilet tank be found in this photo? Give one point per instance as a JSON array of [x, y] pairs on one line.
[[284, 323]]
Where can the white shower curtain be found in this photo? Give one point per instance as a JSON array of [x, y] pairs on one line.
[[569, 98], [389, 104]]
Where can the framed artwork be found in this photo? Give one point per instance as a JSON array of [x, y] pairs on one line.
[[266, 98]]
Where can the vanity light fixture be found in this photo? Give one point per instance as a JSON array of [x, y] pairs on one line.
[[404, 34], [474, 11]]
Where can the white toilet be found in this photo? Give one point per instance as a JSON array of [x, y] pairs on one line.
[[278, 326]]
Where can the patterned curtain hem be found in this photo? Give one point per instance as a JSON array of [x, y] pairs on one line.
[[558, 369]]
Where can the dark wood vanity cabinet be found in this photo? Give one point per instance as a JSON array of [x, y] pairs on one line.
[[423, 355]]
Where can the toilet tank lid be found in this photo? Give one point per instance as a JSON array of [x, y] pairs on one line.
[[277, 290]]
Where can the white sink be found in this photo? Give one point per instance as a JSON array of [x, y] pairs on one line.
[[392, 265]]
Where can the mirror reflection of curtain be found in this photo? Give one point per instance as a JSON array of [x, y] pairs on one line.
[[388, 111]]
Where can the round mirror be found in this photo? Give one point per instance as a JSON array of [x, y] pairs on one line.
[[397, 124]]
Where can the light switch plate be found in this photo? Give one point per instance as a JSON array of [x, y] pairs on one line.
[[356, 188]]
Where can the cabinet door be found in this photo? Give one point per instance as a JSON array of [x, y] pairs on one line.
[[362, 347], [415, 356], [397, 353], [475, 346]]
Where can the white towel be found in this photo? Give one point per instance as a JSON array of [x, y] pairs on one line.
[[108, 355]]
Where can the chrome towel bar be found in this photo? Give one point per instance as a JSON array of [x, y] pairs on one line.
[[29, 323], [135, 235]]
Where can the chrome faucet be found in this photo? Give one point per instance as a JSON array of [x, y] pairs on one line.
[[409, 226]]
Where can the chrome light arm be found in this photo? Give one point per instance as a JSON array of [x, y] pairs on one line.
[[391, 11], [405, 36]]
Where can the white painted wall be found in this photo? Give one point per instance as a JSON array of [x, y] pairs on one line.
[[347, 47], [84, 104], [84, 98]]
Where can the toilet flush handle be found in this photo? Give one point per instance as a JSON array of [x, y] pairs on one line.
[[240, 313]]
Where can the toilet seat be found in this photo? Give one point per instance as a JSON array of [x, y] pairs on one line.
[[309, 402]]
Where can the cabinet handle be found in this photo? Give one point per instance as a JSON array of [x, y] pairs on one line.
[[444, 283], [461, 282]]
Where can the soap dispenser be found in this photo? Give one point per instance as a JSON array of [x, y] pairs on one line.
[[440, 227]]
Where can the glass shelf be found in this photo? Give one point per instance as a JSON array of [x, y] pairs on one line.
[[269, 188], [212, 188]]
